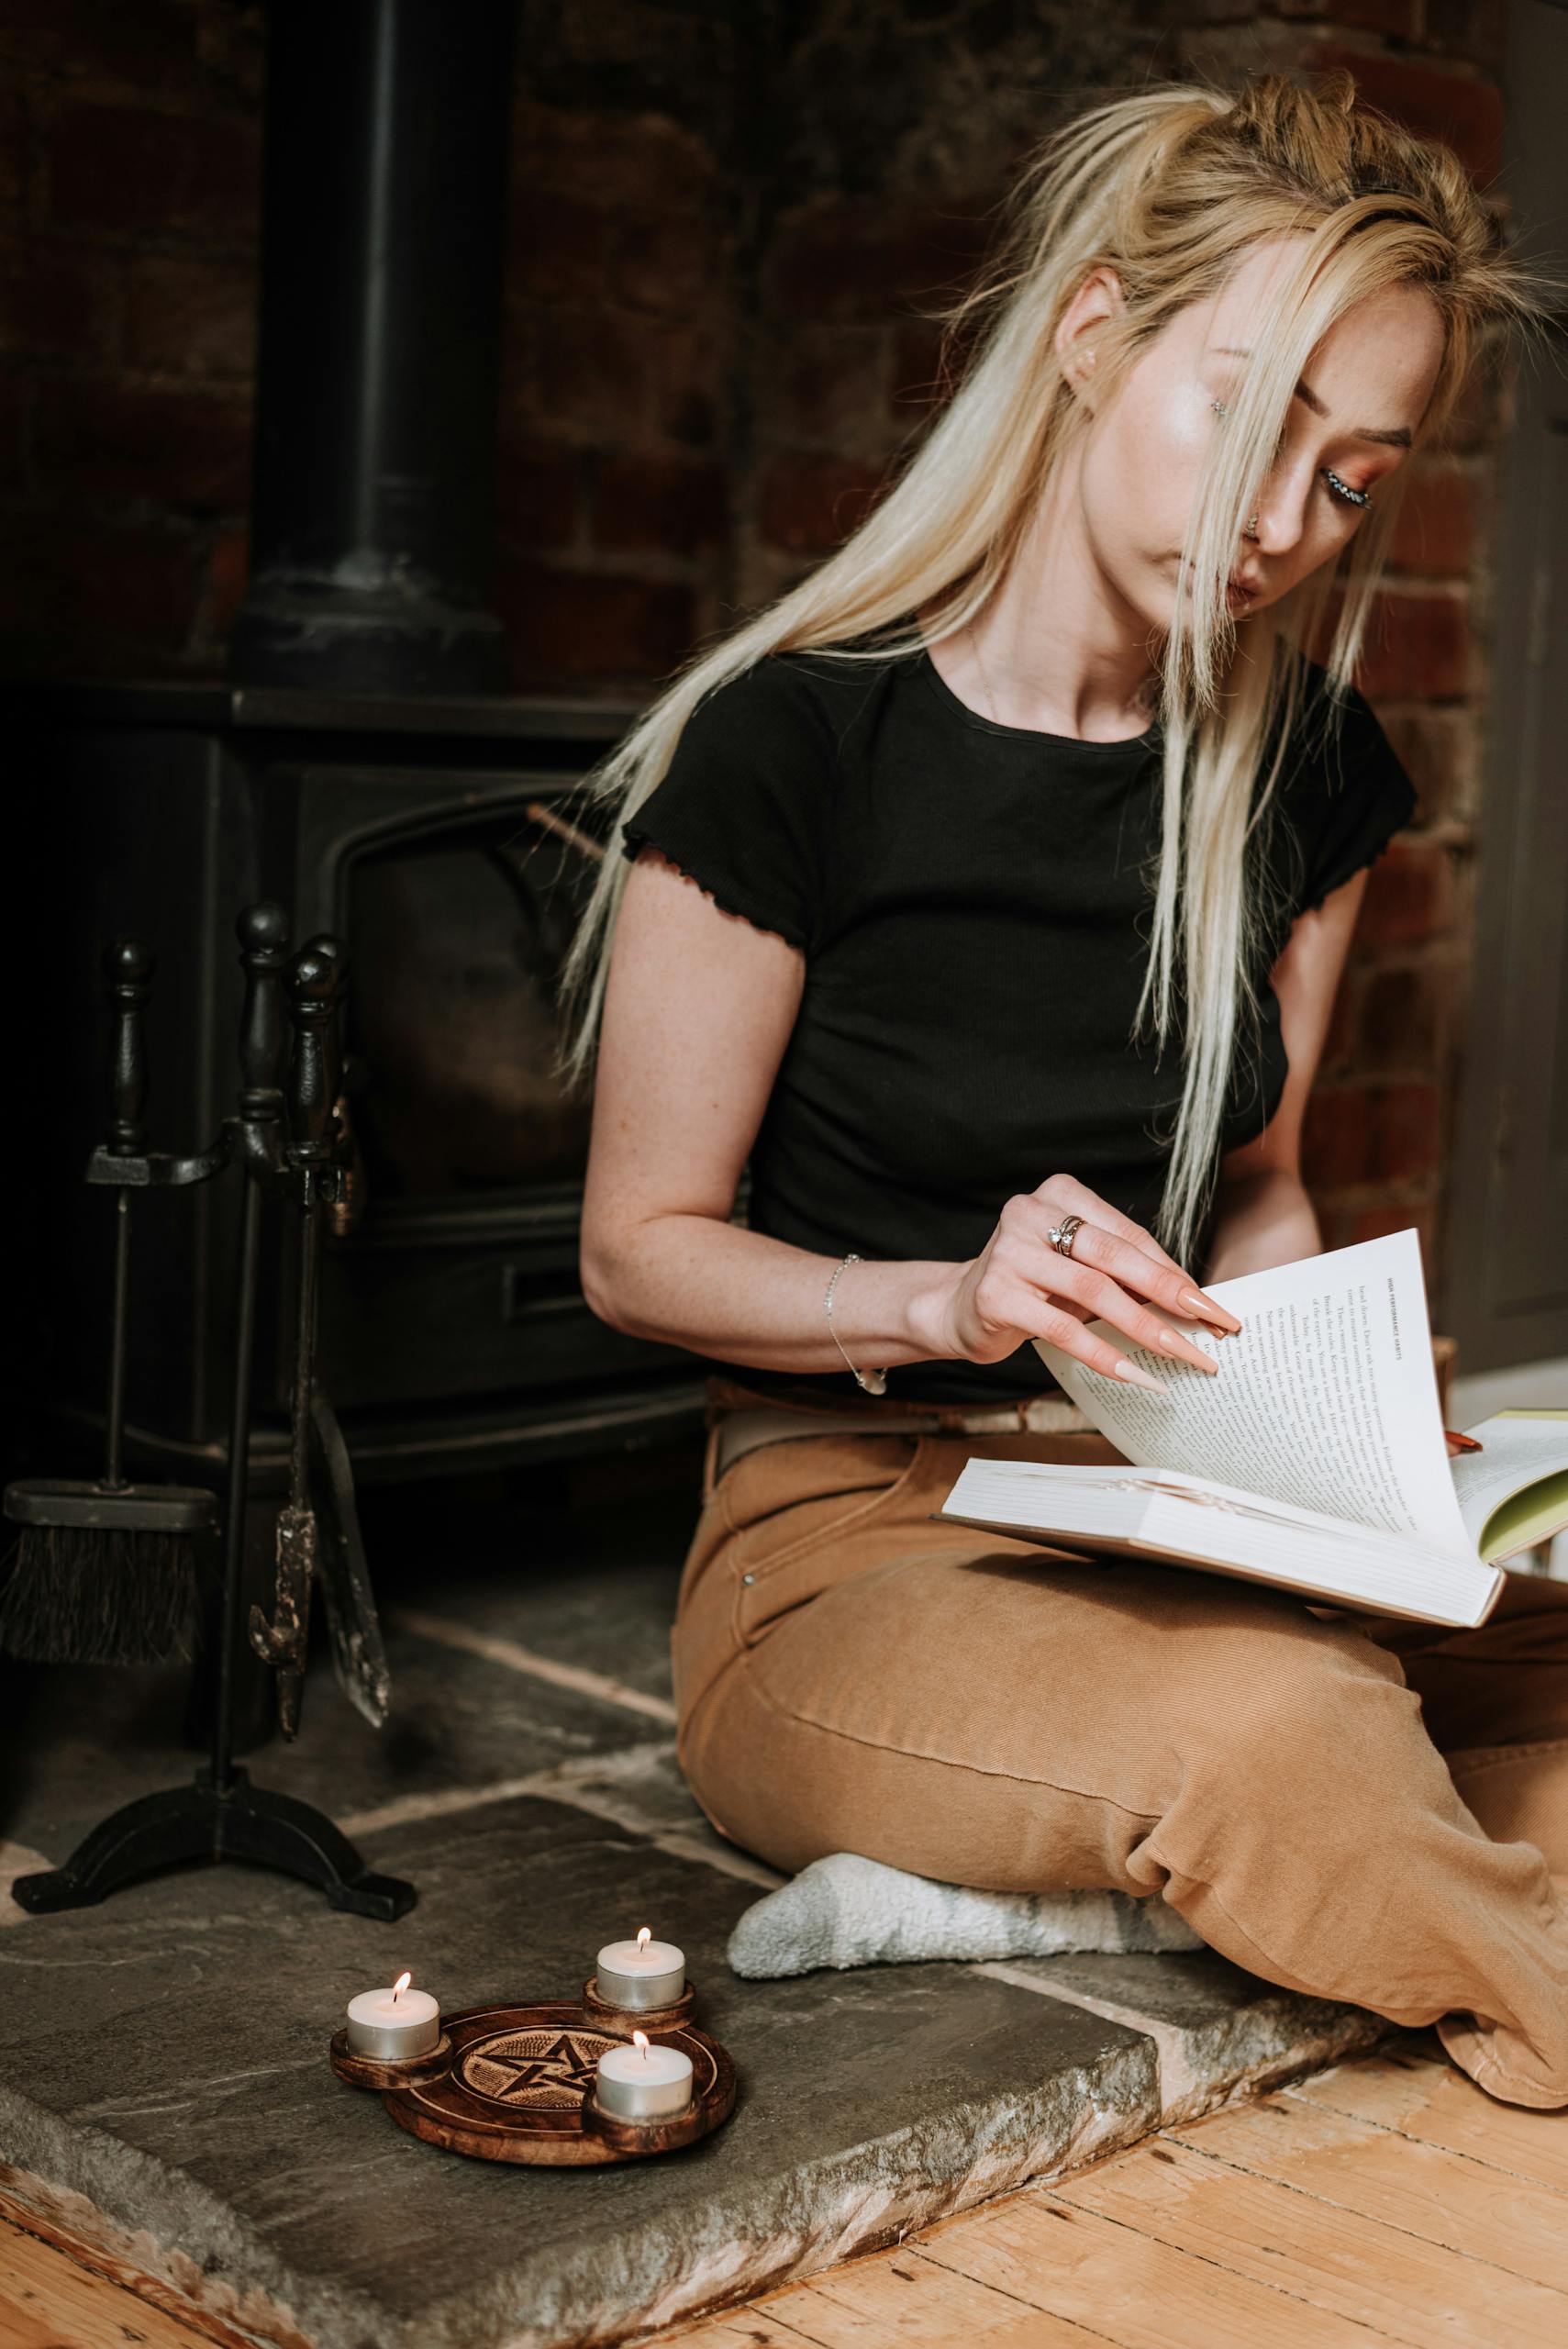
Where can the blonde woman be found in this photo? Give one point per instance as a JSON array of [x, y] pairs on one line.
[[988, 892]]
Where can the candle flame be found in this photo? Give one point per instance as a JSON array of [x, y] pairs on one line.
[[643, 1934], [399, 1987], [640, 2040]]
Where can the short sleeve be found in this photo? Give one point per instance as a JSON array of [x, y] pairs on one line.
[[1349, 801], [746, 802]]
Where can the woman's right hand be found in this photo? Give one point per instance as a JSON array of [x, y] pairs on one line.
[[1020, 1287]]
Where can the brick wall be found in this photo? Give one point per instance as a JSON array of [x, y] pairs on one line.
[[729, 224], [130, 164]]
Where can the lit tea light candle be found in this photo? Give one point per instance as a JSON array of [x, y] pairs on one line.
[[643, 2082], [643, 1973], [394, 2025]]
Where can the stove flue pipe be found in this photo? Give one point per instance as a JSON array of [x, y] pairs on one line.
[[383, 242]]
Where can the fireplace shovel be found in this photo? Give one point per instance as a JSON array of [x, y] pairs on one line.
[[317, 1532]]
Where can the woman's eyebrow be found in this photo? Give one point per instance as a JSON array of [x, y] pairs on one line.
[[1399, 439]]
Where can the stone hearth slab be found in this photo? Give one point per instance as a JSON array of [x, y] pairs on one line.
[[1222, 2033], [165, 2082], [166, 2059], [458, 1722], [591, 1587]]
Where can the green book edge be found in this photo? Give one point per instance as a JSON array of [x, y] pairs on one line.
[[1532, 1516]]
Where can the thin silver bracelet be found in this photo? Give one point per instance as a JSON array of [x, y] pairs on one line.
[[873, 1381]]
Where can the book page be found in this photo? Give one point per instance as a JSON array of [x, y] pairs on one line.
[[1327, 1398], [1517, 1450], [1057, 1504]]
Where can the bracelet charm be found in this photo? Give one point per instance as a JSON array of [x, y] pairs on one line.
[[873, 1381]]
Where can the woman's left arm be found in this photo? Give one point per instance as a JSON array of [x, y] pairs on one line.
[[1263, 1214]]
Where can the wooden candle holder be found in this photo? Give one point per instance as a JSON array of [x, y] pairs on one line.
[[516, 2084], [376, 2072], [623, 2020]]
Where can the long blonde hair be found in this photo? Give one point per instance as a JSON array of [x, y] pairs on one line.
[[1169, 187]]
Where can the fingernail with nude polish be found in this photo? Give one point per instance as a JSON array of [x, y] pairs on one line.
[[1139, 1377], [1206, 1307]]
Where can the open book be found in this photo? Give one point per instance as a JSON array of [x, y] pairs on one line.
[[1314, 1459]]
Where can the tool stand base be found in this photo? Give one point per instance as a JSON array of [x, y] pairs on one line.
[[199, 1822]]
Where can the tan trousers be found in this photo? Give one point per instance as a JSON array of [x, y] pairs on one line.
[[1353, 1806]]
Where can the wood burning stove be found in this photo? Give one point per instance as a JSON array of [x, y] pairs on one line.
[[453, 1332], [360, 766]]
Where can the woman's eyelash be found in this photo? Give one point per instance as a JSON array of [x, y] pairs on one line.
[[1341, 489]]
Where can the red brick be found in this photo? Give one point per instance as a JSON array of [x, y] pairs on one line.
[[1416, 646], [66, 585], [1401, 1014], [15, 140], [557, 247], [576, 624], [669, 263], [150, 46], [538, 492], [53, 302], [592, 374], [191, 318], [1435, 748], [129, 169], [1395, 19], [228, 576], [1337, 1056], [1435, 531], [660, 503], [1157, 13], [184, 449], [1462, 110], [859, 259], [1333, 1138], [1409, 896], [613, 159], [809, 505], [1373, 1133], [14, 395], [1347, 1227], [690, 366], [927, 369], [826, 386], [1476, 30]]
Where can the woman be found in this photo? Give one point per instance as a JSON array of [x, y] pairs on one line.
[[989, 893]]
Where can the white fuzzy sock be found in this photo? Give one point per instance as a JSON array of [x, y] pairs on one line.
[[846, 1910]]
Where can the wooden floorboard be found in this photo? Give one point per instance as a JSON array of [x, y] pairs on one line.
[[1387, 2200], [50, 2300]]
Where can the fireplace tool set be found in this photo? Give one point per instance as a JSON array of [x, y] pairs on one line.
[[107, 1570]]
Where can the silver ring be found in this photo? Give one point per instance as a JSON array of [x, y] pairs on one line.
[[1061, 1235]]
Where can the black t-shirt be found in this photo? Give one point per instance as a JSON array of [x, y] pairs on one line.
[[974, 906]]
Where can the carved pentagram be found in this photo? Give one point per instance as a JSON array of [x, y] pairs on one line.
[[544, 2070], [518, 2087]]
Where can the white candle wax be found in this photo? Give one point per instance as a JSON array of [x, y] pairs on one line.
[[641, 1972], [643, 2082], [395, 2024]]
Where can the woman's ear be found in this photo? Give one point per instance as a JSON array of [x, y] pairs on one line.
[[1097, 299]]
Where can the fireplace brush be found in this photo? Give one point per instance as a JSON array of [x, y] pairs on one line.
[[221, 1815], [106, 1571]]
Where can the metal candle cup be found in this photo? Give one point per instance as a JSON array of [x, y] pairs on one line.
[[397, 2026], [640, 1974]]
